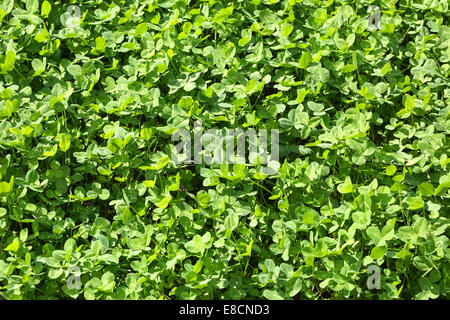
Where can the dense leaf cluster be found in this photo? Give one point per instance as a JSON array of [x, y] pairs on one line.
[[89, 100]]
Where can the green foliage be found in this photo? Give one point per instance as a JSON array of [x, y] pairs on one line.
[[88, 103]]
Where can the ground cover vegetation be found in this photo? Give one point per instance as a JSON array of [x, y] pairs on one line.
[[92, 207]]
